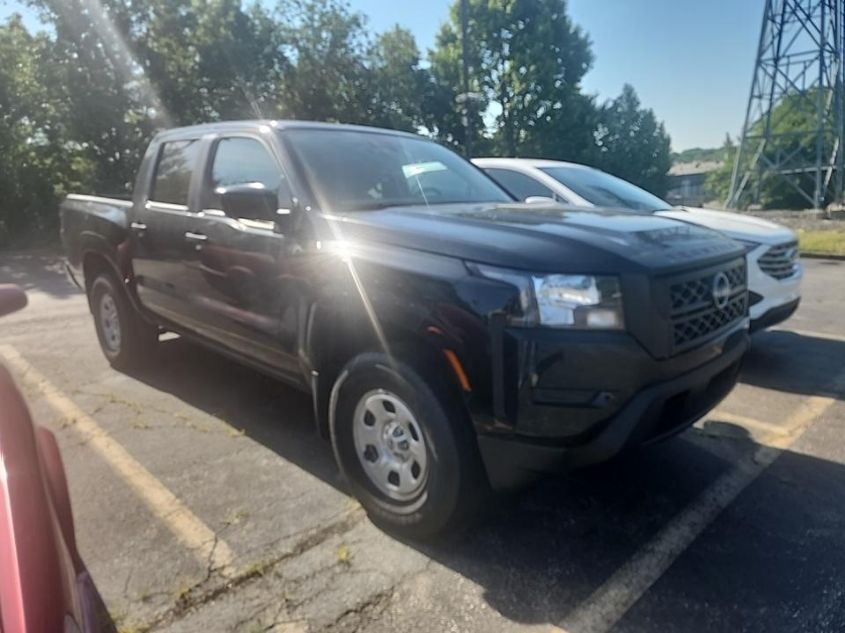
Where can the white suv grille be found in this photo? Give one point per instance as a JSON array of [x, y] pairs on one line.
[[780, 261]]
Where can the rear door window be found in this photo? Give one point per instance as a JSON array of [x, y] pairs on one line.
[[520, 185], [172, 181]]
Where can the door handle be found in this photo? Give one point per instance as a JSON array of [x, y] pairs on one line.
[[198, 239]]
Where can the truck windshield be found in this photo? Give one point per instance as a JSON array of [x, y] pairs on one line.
[[350, 170], [604, 190]]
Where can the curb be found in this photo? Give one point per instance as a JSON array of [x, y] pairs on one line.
[[840, 258]]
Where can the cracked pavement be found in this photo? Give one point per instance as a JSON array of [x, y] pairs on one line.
[[240, 451]]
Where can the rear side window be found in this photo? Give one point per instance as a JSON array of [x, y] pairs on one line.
[[520, 185], [240, 160], [173, 172]]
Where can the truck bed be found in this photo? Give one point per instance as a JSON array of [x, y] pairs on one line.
[[93, 224]]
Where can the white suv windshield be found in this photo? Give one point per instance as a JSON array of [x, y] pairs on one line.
[[604, 190], [350, 170]]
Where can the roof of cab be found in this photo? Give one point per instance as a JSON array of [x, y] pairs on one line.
[[283, 124]]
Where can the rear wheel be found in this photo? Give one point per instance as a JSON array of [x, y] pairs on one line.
[[125, 338], [403, 441]]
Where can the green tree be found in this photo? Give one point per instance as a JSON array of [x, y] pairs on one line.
[[38, 164], [527, 58], [792, 122], [632, 143], [700, 154], [569, 135], [398, 82], [328, 78], [107, 106], [444, 117], [128, 67], [209, 60], [718, 183], [81, 100]]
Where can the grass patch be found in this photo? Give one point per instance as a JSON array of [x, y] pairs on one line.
[[822, 242], [344, 555]]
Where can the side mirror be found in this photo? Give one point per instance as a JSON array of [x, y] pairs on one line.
[[12, 299], [540, 200], [249, 201]]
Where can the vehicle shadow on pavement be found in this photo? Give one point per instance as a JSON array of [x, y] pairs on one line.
[[541, 552], [771, 561], [794, 363], [264, 409], [36, 271], [545, 551]]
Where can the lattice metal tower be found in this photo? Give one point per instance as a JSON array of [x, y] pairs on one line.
[[792, 136]]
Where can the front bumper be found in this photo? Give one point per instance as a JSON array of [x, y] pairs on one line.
[[775, 315], [646, 400], [770, 295]]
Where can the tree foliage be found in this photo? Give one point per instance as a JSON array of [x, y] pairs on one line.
[[632, 143], [80, 100], [793, 124], [398, 83], [702, 154], [718, 183], [527, 58], [38, 161]]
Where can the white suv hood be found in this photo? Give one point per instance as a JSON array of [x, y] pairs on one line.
[[735, 225]]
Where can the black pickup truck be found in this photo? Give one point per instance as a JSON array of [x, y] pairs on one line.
[[453, 340]]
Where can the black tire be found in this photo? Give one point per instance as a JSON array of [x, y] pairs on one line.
[[136, 341], [455, 486]]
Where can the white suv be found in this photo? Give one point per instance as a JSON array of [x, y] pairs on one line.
[[774, 272]]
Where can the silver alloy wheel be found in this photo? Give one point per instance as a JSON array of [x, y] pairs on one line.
[[110, 322], [390, 445]]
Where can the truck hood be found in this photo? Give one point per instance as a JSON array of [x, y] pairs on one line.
[[734, 225], [540, 237]]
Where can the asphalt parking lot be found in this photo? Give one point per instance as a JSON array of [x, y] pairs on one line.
[[204, 500]]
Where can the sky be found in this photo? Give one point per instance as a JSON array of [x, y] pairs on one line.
[[689, 60]]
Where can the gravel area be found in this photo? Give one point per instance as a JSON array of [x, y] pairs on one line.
[[803, 220], [809, 220]]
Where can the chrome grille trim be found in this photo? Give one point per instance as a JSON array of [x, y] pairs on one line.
[[693, 313], [780, 261]]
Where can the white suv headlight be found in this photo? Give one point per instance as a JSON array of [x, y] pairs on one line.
[[564, 301]]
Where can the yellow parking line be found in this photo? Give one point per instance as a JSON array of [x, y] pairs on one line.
[[165, 506], [606, 606], [743, 420], [812, 334]]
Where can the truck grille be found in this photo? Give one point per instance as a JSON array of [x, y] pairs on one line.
[[780, 261], [696, 313]]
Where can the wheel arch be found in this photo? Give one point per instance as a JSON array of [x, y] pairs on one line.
[[335, 341], [96, 262]]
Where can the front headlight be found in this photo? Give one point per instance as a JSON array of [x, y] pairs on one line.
[[565, 301]]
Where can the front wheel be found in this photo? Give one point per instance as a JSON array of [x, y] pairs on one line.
[[406, 446], [125, 338]]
